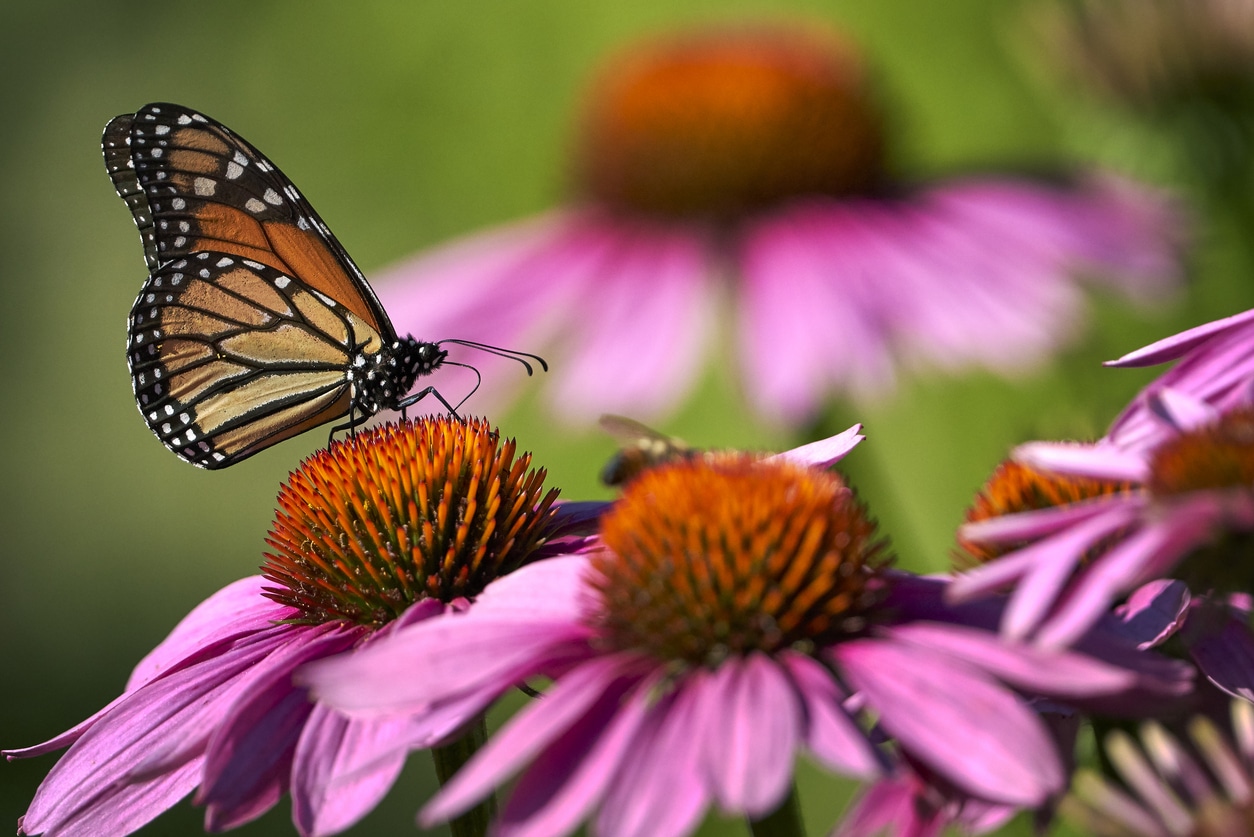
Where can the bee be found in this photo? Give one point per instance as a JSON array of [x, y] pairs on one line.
[[641, 448]]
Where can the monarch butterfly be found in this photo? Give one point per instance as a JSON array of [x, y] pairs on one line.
[[254, 324]]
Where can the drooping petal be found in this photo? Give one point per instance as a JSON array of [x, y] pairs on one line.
[[147, 750], [1143, 555], [1226, 657], [516, 626], [830, 734], [1154, 611], [326, 797], [754, 726], [660, 789], [642, 343], [955, 720], [590, 691], [1181, 410], [1056, 674], [248, 760], [235, 610]]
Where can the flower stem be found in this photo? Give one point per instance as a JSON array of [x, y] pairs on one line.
[[448, 760], [784, 821]]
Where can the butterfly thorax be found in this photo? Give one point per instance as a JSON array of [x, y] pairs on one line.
[[380, 380]]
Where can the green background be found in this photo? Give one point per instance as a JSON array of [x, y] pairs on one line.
[[406, 124]]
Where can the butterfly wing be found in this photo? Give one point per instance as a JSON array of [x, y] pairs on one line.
[[229, 356], [192, 184]]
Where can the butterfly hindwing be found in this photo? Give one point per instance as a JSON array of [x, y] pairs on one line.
[[193, 185], [229, 355]]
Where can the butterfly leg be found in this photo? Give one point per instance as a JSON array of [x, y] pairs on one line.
[[351, 426], [423, 393]]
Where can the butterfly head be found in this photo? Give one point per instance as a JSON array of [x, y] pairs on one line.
[[381, 380]]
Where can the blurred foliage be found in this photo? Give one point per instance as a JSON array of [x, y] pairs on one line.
[[408, 123]]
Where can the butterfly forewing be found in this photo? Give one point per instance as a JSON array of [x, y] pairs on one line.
[[192, 185], [229, 355]]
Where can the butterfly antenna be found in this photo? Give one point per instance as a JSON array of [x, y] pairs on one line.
[[511, 354], [478, 381]]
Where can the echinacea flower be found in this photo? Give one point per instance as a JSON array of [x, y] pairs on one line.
[[737, 612], [756, 160], [382, 530], [1202, 787], [1182, 507], [1216, 366]]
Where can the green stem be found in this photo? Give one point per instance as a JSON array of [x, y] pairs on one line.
[[785, 821], [448, 760]]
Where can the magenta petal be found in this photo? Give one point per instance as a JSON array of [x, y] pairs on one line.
[[236, 609], [1100, 461], [248, 761], [585, 695], [456, 655], [642, 350], [955, 720], [325, 800], [826, 452], [1055, 674], [168, 720], [890, 807], [1030, 525], [1141, 556], [116, 810], [1170, 348], [1227, 658], [660, 789], [1154, 611], [831, 734], [754, 729], [1183, 411]]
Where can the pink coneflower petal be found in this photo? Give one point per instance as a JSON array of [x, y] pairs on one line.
[[1142, 556], [97, 771], [1061, 675], [1099, 461], [638, 349], [327, 796], [578, 705], [1154, 611], [1170, 348], [1088, 522], [660, 790], [1226, 657], [750, 762], [890, 807], [1182, 411], [248, 761], [1007, 756], [798, 328], [515, 623], [235, 610], [831, 735], [826, 452]]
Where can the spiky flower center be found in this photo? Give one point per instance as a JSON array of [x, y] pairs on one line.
[[719, 122], [1015, 487], [729, 554], [434, 508], [1216, 456]]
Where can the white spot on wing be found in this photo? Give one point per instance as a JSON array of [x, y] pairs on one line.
[[204, 186]]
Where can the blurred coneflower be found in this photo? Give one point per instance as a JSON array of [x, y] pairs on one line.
[[385, 529], [1165, 787], [737, 611], [1184, 69], [757, 159]]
